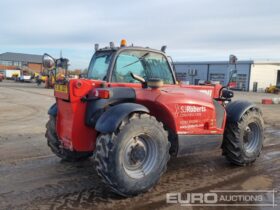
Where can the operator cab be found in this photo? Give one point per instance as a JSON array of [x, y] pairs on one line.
[[129, 64]]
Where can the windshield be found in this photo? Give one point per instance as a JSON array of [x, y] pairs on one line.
[[99, 65], [143, 63]]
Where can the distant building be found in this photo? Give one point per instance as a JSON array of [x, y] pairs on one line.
[[251, 75], [11, 60]]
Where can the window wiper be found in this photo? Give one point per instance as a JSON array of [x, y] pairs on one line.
[[141, 58]]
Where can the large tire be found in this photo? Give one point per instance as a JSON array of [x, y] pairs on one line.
[[55, 145], [132, 159], [243, 140]]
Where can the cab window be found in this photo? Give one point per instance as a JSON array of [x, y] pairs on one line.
[[99, 65], [143, 63]]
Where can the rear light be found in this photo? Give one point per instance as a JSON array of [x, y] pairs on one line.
[[102, 94]]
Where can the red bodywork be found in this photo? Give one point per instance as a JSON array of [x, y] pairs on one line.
[[232, 85], [1, 77], [185, 109]]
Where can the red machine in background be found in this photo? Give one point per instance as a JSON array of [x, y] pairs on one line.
[[1, 77]]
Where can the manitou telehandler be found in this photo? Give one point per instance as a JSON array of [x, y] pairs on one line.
[[131, 113]]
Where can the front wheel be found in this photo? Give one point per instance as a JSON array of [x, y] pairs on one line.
[[243, 140], [132, 159]]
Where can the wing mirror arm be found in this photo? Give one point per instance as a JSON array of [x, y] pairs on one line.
[[138, 78]]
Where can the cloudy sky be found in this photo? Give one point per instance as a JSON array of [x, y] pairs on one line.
[[192, 30]]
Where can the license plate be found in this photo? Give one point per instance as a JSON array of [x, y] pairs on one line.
[[61, 88]]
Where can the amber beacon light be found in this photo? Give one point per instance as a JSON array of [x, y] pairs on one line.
[[123, 43]]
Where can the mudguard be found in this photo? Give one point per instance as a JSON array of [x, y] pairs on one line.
[[110, 120], [96, 107], [53, 110], [236, 109]]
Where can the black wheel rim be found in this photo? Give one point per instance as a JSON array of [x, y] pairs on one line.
[[251, 137]]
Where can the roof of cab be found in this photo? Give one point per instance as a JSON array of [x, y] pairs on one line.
[[129, 48]]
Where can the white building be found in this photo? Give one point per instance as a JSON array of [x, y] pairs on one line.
[[251, 75]]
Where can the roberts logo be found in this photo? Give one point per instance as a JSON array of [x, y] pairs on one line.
[[193, 109]]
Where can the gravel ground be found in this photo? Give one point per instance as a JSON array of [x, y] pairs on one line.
[[31, 177]]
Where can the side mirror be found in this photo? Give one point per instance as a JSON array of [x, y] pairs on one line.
[[227, 93], [48, 62]]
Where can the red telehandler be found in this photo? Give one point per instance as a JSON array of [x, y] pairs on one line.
[[131, 113]]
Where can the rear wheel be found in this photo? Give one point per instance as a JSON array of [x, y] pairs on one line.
[[243, 140], [132, 159], [55, 145]]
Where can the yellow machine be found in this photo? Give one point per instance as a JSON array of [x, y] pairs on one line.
[[15, 75], [57, 72], [52, 78], [272, 89], [43, 77], [49, 78]]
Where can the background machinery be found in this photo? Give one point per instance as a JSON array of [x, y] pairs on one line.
[[58, 72], [273, 89]]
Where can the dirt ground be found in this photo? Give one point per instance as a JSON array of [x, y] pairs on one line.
[[31, 177]]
